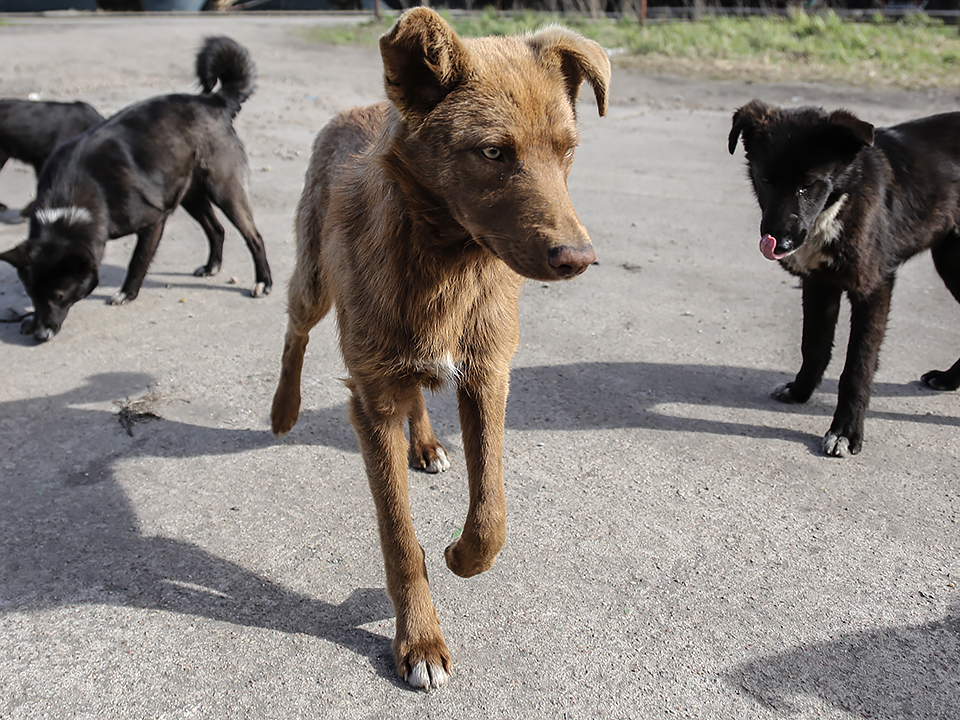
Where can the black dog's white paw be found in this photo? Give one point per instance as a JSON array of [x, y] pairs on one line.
[[28, 325], [119, 298], [259, 290], [204, 271], [784, 394], [837, 446]]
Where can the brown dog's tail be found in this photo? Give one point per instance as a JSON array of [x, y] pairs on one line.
[[225, 61]]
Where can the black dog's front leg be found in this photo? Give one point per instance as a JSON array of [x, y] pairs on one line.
[[821, 307], [147, 241], [868, 324]]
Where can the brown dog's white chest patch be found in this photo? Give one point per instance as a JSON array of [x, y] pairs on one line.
[[826, 230], [443, 370]]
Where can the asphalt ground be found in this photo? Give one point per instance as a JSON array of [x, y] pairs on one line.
[[677, 546]]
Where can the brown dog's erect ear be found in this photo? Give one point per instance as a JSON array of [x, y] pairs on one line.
[[17, 256], [423, 60], [580, 60], [747, 120]]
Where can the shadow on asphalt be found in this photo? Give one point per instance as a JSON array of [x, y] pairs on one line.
[[69, 534], [661, 396], [890, 673]]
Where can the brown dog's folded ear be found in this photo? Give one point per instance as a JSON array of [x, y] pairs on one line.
[[17, 256], [747, 120], [581, 59], [423, 60]]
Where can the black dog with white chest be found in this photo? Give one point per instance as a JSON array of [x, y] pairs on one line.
[[127, 175], [843, 206], [30, 130]]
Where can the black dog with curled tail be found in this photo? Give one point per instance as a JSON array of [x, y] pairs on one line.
[[127, 175]]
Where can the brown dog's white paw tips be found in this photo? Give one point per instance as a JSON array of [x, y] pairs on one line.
[[427, 675], [439, 464]]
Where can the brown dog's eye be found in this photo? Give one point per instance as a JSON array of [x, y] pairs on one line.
[[492, 153]]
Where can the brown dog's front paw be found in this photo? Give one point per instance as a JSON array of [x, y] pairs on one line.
[[423, 663], [429, 458], [468, 559], [285, 412]]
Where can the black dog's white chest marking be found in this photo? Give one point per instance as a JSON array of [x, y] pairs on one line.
[[71, 215], [825, 231]]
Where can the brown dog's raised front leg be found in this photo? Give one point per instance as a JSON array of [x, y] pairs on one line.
[[419, 649], [426, 452], [482, 413]]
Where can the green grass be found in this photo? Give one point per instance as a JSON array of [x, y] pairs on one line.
[[915, 52]]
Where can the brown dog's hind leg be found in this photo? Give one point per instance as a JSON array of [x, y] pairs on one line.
[[482, 414], [419, 649], [302, 316], [426, 451]]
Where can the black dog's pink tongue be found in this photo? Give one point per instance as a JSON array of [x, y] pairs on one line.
[[768, 246]]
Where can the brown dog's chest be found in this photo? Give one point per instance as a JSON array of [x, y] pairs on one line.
[[430, 334]]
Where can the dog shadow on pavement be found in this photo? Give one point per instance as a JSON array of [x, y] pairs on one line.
[[901, 673], [707, 399], [70, 535]]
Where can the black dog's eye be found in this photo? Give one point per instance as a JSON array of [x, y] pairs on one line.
[[492, 153], [58, 296]]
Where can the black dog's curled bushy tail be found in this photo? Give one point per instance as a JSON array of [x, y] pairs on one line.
[[226, 61]]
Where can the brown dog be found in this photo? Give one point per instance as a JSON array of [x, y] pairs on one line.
[[419, 219]]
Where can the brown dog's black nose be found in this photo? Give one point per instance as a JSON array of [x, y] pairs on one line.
[[569, 261]]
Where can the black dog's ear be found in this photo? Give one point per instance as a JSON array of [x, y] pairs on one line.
[[17, 256], [423, 60], [848, 133], [747, 120], [580, 59]]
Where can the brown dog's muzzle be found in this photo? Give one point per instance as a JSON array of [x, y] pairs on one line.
[[569, 261]]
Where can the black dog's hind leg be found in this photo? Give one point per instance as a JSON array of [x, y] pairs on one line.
[[821, 307], [147, 241], [198, 205], [230, 196], [946, 258], [868, 325]]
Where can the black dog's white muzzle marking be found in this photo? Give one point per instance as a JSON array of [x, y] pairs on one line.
[[71, 215]]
